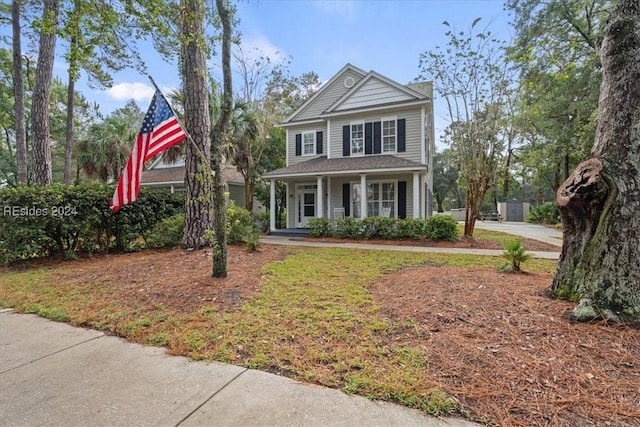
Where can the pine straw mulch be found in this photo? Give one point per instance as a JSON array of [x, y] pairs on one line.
[[495, 341], [511, 355]]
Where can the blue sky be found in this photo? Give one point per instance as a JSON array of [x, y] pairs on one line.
[[322, 36]]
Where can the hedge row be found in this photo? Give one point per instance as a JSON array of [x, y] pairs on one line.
[[41, 221], [437, 227]]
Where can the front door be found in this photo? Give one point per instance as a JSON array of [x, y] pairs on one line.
[[306, 208]]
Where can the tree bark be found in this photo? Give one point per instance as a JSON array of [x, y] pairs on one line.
[[600, 202], [218, 140], [18, 93], [42, 173], [197, 181], [68, 147]]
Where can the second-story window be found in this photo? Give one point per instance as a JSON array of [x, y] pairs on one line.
[[389, 136], [357, 138], [308, 143]]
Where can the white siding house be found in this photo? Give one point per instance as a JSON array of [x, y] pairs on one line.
[[359, 131]]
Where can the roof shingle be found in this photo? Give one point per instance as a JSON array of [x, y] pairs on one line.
[[360, 164]]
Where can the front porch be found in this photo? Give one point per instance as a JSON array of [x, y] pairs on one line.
[[396, 195]]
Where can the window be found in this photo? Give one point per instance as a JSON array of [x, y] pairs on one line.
[[308, 143], [389, 136], [357, 138], [379, 195]]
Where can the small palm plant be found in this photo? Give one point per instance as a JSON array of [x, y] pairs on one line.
[[515, 253]]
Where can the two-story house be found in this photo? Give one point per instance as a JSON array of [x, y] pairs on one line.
[[361, 146]]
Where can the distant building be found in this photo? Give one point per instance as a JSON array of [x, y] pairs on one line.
[[162, 174]]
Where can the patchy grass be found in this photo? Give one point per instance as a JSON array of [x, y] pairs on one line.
[[313, 320]]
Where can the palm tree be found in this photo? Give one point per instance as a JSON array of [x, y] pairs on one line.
[[243, 150], [104, 153]]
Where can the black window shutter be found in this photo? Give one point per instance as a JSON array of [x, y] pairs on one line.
[[377, 137], [319, 142], [346, 198], [401, 135], [298, 144], [368, 139], [346, 141], [402, 199]]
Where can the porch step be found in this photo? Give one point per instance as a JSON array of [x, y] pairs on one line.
[[292, 232]]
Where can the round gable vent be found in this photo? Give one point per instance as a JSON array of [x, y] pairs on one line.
[[348, 82]]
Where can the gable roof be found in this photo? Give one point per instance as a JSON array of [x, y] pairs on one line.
[[372, 90], [325, 87]]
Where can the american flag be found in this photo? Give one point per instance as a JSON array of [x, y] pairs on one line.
[[160, 130]]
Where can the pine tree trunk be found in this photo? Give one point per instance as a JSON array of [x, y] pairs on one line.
[[197, 180], [18, 93], [600, 202], [41, 93], [221, 131], [68, 148]]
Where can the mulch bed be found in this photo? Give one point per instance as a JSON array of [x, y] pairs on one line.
[[510, 354]]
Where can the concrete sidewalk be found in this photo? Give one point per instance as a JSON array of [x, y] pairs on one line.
[[56, 375], [296, 241]]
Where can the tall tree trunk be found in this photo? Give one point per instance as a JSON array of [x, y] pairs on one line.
[[68, 147], [42, 174], [218, 140], [249, 185], [506, 176], [197, 180], [600, 201], [439, 202], [18, 94]]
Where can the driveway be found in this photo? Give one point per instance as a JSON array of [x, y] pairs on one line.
[[532, 231]]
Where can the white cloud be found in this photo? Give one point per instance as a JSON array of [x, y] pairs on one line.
[[344, 9], [256, 46], [136, 91]]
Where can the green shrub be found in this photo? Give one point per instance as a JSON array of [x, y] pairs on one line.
[[404, 228], [379, 227], [441, 227], [262, 221], [166, 233], [320, 227], [348, 228], [546, 213], [40, 221], [515, 254], [253, 241], [239, 223]]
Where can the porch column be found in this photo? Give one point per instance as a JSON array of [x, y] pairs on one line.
[[416, 194], [363, 196], [272, 205], [320, 198]]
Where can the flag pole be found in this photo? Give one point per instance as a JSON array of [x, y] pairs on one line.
[[200, 153]]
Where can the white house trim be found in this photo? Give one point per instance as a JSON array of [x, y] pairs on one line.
[[286, 145], [347, 172], [423, 141], [416, 194], [301, 123], [394, 106], [328, 148]]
